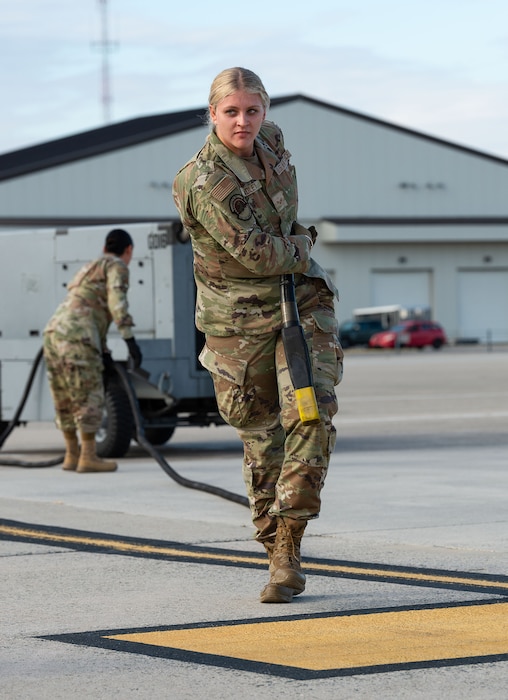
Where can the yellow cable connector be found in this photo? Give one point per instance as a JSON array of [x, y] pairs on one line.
[[307, 405]]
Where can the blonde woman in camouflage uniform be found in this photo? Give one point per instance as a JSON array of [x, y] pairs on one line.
[[76, 353], [237, 198]]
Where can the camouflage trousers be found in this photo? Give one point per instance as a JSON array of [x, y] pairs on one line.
[[285, 462], [74, 373]]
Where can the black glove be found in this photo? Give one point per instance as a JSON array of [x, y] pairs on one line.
[[134, 352], [108, 362], [299, 230], [313, 233]]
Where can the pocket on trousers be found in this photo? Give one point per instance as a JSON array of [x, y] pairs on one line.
[[228, 376], [328, 325], [229, 368]]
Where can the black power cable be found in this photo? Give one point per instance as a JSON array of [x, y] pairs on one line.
[[140, 438], [14, 422]]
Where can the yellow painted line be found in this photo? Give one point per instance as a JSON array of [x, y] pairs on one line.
[[346, 642], [405, 575], [127, 547], [123, 546]]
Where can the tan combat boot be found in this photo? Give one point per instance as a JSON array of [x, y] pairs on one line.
[[88, 460], [269, 547], [71, 451], [286, 576]]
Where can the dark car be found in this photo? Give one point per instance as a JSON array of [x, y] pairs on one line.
[[410, 334], [357, 332]]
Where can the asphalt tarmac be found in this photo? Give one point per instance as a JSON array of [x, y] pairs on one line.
[[128, 585]]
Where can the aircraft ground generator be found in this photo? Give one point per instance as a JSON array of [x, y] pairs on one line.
[[172, 388]]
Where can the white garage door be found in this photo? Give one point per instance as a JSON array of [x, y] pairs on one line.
[[409, 289], [483, 305]]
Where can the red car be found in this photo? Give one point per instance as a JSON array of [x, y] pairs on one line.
[[410, 334]]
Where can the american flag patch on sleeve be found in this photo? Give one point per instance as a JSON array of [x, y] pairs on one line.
[[223, 188]]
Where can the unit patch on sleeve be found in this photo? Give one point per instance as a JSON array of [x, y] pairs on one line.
[[239, 207]]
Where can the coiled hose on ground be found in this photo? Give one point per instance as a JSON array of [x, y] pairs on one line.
[[140, 439]]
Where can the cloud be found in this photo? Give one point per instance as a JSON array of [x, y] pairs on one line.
[[359, 59]]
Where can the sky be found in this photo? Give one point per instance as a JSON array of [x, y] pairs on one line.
[[439, 67]]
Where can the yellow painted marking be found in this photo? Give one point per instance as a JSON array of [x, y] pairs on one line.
[[208, 555], [405, 575], [128, 547], [354, 641]]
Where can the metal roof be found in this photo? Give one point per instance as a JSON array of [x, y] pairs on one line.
[[139, 130]]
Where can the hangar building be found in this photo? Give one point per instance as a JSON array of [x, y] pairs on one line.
[[403, 217]]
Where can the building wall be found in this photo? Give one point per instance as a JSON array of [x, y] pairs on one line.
[[353, 167], [467, 282], [134, 181], [347, 167]]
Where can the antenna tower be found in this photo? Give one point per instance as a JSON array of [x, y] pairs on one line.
[[105, 45]]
